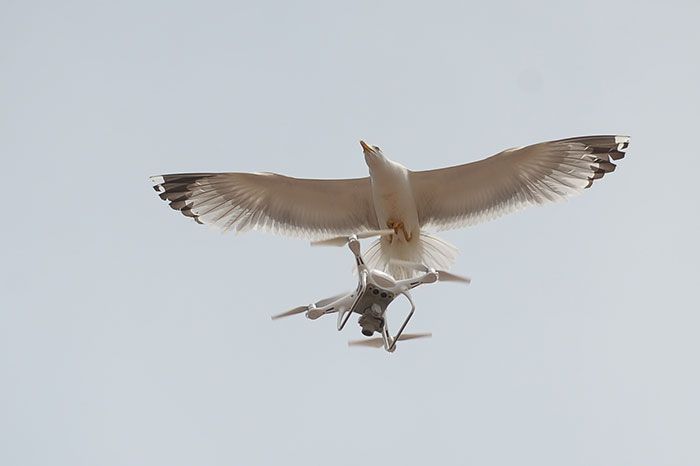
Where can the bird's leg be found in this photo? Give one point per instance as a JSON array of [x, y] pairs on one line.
[[396, 226], [408, 237], [390, 224]]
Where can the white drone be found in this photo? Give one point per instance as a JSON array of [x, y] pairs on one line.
[[375, 291]]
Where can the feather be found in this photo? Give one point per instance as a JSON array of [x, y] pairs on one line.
[[542, 173]]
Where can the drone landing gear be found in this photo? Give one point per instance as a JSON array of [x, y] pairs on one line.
[[373, 320], [354, 246], [390, 344]]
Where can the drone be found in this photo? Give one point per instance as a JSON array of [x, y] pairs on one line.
[[375, 291]]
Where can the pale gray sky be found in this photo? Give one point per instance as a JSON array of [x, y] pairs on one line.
[[129, 335]]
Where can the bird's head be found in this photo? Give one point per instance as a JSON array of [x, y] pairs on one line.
[[373, 154]]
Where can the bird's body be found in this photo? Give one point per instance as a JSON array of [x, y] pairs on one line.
[[394, 197], [396, 208]]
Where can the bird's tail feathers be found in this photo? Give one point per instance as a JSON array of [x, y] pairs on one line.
[[429, 250]]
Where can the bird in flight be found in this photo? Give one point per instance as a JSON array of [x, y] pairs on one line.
[[393, 197]]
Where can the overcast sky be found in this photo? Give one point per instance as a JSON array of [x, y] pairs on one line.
[[129, 335]]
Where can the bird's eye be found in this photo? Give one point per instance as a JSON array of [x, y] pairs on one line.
[[376, 147]]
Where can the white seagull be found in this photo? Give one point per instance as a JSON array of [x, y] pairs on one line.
[[394, 197]]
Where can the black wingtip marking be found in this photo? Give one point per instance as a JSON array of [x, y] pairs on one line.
[[187, 212], [604, 148], [607, 167], [617, 155]]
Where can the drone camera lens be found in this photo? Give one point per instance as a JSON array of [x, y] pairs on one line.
[[367, 333]]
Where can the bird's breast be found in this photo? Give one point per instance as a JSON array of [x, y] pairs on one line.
[[393, 198]]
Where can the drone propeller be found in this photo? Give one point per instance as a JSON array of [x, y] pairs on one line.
[[378, 342], [313, 315], [343, 240], [443, 275], [296, 310], [327, 301]]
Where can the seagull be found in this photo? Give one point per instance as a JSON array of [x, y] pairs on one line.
[[409, 203]]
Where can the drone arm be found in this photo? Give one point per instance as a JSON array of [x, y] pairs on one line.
[[314, 312], [392, 341], [355, 248], [410, 283], [325, 306]]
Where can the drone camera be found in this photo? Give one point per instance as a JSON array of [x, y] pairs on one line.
[[370, 324], [371, 321]]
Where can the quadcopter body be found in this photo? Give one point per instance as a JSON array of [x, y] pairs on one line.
[[375, 291]]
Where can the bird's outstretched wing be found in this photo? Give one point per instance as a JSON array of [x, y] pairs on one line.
[[273, 203], [538, 174]]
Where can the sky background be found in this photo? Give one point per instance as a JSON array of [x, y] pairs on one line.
[[129, 335]]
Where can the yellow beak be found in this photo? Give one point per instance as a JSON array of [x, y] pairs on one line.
[[366, 147]]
